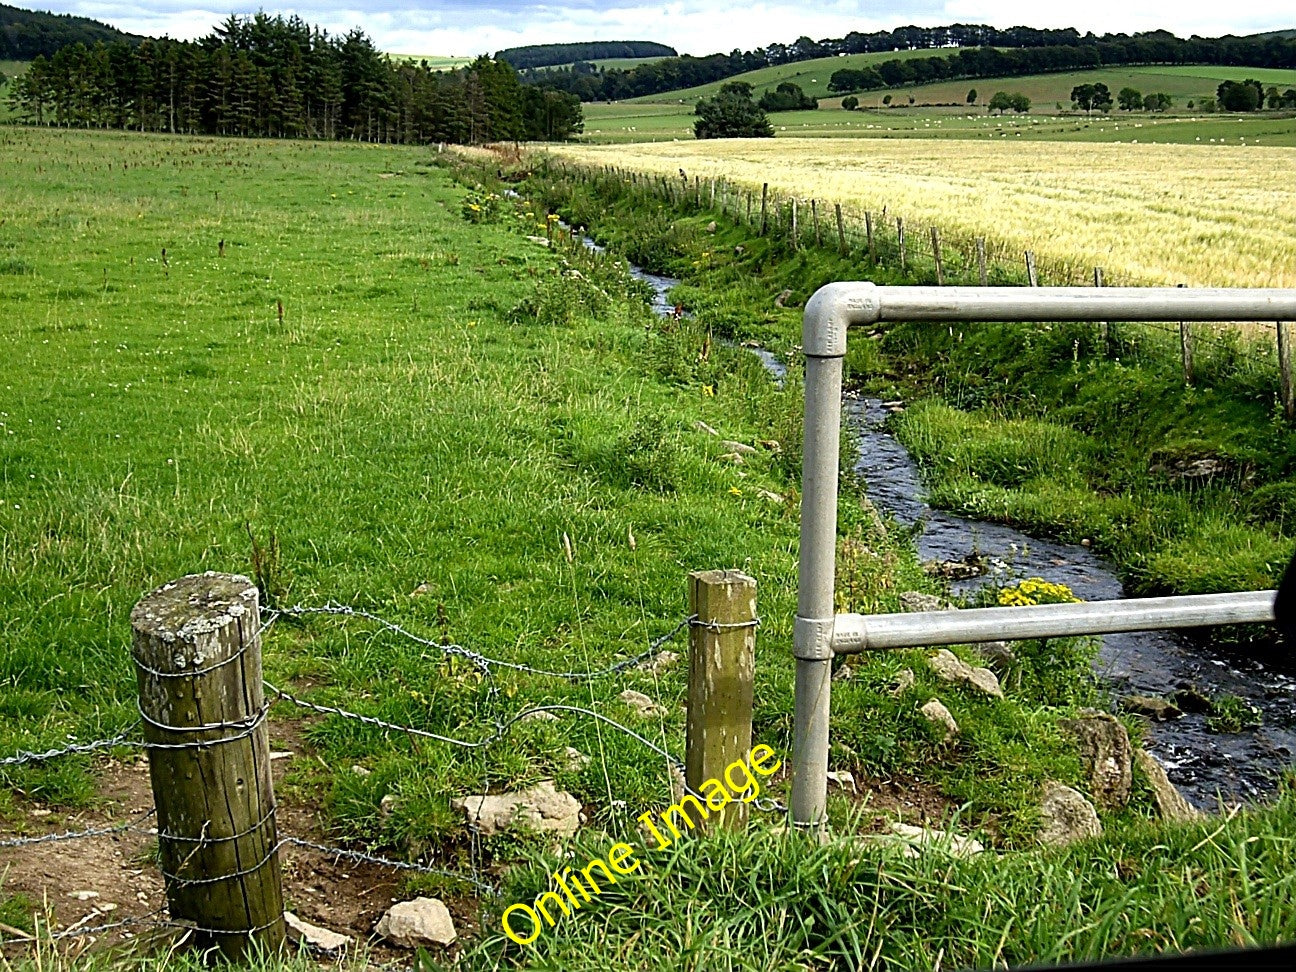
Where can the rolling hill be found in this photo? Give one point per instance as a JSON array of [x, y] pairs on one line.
[[27, 33]]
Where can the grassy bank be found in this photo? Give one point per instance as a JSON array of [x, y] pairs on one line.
[[494, 443], [1055, 428]]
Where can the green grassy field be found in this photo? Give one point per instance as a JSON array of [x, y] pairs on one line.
[[436, 62], [812, 76], [494, 444], [615, 63], [1182, 82], [10, 69], [940, 110], [634, 122]]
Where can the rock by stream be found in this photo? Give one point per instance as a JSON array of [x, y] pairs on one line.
[[1206, 767]]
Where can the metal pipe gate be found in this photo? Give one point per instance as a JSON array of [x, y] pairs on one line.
[[820, 633]]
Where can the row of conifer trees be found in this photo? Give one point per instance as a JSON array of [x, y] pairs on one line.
[[275, 77]]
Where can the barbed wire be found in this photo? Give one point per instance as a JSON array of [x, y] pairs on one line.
[[67, 835], [22, 757], [476, 658], [368, 858]]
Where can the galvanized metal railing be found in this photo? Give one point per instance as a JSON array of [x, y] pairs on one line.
[[820, 633]]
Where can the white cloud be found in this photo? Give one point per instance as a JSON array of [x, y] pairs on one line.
[[467, 27]]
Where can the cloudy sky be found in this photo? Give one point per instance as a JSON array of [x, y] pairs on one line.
[[469, 27]]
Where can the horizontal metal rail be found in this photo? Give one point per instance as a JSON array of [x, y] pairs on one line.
[[859, 632], [837, 306]]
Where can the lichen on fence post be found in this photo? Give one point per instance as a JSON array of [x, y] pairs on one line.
[[197, 649]]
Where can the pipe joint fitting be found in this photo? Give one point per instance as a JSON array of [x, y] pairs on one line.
[[812, 638], [833, 308]]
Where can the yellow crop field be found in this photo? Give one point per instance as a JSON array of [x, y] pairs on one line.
[[1200, 215]]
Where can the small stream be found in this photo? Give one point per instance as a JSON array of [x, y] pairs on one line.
[[1204, 765]]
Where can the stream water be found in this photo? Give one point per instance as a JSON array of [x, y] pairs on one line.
[[1205, 766]]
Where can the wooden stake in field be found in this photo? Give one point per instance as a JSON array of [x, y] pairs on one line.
[[814, 218], [794, 222], [868, 229], [764, 209], [936, 256], [1102, 325], [1286, 334], [1031, 278], [841, 229], [197, 648], [900, 241], [1186, 348], [722, 652], [981, 261]]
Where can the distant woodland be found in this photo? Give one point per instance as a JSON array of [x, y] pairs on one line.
[[548, 55], [275, 77], [24, 34], [967, 51]]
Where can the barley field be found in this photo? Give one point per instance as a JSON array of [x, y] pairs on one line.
[[1200, 215]]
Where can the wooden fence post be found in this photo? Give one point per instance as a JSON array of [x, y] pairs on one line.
[[868, 229], [794, 223], [981, 261], [1186, 349], [1286, 388], [1031, 278], [841, 230], [764, 208], [1103, 331], [936, 255], [197, 649], [900, 241], [814, 217], [722, 666]]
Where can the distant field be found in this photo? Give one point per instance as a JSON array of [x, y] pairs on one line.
[[1183, 83], [636, 122], [435, 62], [812, 76], [9, 69], [1193, 214], [612, 63]]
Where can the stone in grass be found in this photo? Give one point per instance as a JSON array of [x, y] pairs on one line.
[[659, 662], [917, 602], [541, 716], [956, 844], [418, 924], [999, 657], [1169, 801], [642, 705], [936, 713], [1068, 816], [576, 760], [541, 809], [949, 667], [903, 682], [1106, 753], [313, 936]]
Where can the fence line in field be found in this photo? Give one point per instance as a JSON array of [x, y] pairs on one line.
[[927, 255], [716, 617]]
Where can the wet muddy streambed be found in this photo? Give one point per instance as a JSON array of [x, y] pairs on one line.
[[1204, 765]]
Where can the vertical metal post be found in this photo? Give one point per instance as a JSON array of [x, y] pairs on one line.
[[824, 340]]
